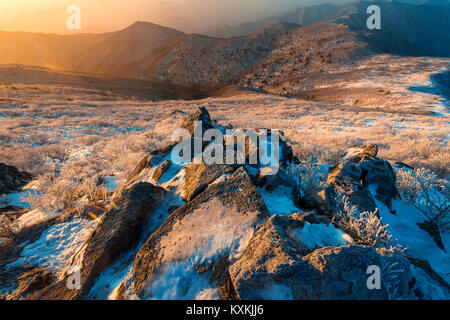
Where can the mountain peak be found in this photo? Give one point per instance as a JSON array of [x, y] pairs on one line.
[[145, 26]]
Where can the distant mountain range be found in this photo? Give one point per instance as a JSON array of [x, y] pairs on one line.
[[303, 16], [306, 39]]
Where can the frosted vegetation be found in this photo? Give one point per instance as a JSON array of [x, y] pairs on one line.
[[77, 141]]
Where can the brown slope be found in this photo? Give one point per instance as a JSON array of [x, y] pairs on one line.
[[123, 48], [308, 51], [211, 62]]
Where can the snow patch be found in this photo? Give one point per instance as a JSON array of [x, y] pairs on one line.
[[111, 183], [210, 232], [428, 286], [276, 291], [56, 245], [403, 227], [280, 200], [320, 235]]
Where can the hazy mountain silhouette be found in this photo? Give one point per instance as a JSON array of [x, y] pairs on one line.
[[152, 52]]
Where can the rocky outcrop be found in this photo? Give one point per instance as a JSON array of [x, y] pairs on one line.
[[118, 230], [200, 115], [212, 229], [32, 280], [236, 191], [150, 160], [160, 170], [200, 176], [11, 179], [277, 265], [358, 176]]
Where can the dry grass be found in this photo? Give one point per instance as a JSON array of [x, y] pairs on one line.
[[73, 135]]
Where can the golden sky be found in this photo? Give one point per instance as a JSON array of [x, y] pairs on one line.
[[50, 16]]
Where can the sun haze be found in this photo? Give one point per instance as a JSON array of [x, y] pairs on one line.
[[50, 16]]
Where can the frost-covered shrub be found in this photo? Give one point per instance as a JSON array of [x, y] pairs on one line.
[[365, 228], [429, 195], [64, 194], [310, 177]]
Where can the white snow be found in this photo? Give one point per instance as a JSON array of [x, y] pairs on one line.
[[180, 281], [32, 217], [56, 245], [320, 235], [111, 277], [221, 179], [109, 280], [279, 201], [276, 291], [428, 286], [211, 231], [111, 183], [403, 227], [14, 199]]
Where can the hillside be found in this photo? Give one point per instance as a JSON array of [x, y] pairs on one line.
[[301, 16], [197, 59], [280, 49], [122, 48]]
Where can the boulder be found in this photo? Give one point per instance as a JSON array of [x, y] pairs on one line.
[[200, 115], [160, 170], [276, 265], [236, 191], [117, 231], [358, 176], [150, 160], [200, 176], [31, 280], [12, 180], [271, 178]]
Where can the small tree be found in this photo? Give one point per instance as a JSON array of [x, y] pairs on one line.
[[365, 228]]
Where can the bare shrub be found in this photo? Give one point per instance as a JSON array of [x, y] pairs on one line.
[[365, 228], [428, 194], [64, 195], [310, 177], [56, 152]]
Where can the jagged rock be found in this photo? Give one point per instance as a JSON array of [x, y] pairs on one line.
[[160, 170], [199, 176], [425, 266], [254, 149], [118, 231], [200, 115], [11, 179], [150, 160], [274, 262], [31, 280], [271, 178], [358, 171], [237, 192], [433, 230]]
